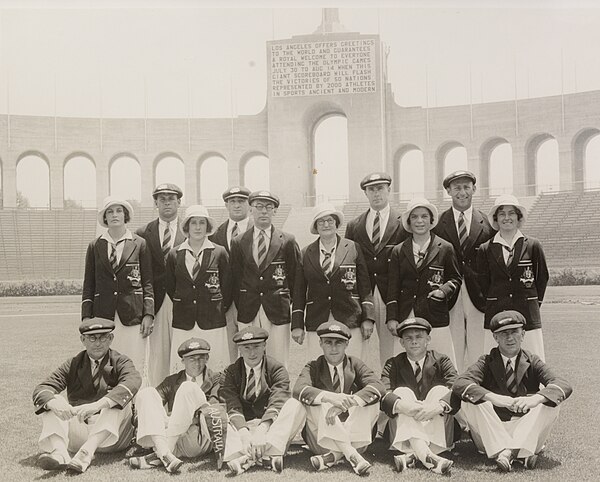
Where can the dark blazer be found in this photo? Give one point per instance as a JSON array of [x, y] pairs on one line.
[[488, 374], [346, 293], [205, 300], [480, 231], [269, 285], [127, 292], [274, 392], [378, 259], [398, 372], [359, 380], [409, 286], [119, 381], [520, 287], [220, 235], [169, 386], [150, 232]]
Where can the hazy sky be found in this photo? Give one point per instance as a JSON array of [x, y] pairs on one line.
[[181, 58]]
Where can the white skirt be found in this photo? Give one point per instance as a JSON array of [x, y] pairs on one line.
[[128, 341]]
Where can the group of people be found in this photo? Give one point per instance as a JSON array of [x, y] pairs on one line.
[[202, 316]]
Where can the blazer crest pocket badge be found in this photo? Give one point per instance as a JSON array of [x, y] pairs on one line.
[[279, 274], [527, 277], [436, 277], [213, 283], [348, 276]]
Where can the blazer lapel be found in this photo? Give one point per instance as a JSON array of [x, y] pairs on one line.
[[474, 230], [408, 252], [432, 251], [246, 244], [102, 247], [428, 371], [349, 375], [154, 239], [181, 267], [179, 236], [450, 228], [325, 375], [128, 249], [391, 227], [274, 247], [84, 373], [499, 370], [312, 255], [520, 249], [206, 260], [361, 234], [522, 367], [498, 256], [408, 375], [341, 251]]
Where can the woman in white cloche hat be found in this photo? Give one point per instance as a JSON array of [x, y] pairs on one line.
[[513, 272]]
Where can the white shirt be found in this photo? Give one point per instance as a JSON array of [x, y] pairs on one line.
[[422, 249], [322, 256], [513, 362], [257, 371], [199, 379], [172, 229], [242, 227], [255, 240], [500, 240], [340, 370], [120, 246], [190, 259], [468, 217], [384, 216], [413, 364]]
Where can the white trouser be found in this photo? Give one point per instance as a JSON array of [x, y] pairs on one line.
[[389, 345], [218, 358], [527, 433], [231, 319], [160, 343], [129, 342], [71, 434], [441, 340], [466, 327], [533, 342], [278, 343], [437, 432], [193, 441]]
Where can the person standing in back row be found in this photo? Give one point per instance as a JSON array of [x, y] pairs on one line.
[[377, 231]]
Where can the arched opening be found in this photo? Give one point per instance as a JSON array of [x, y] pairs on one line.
[[33, 181], [256, 173], [330, 159], [547, 167], [591, 173], [213, 180], [126, 178], [79, 182], [411, 174], [170, 169], [500, 169]]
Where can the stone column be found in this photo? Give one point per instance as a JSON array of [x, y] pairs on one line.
[[565, 166], [147, 175], [57, 191], [102, 179], [190, 190], [9, 181]]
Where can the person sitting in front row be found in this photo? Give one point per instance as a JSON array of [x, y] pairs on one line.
[[508, 414], [173, 432], [100, 383], [418, 384]]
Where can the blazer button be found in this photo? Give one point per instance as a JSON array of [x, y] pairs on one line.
[[261, 278], [115, 278], [414, 297], [329, 298], [261, 294], [194, 301], [115, 293], [375, 274], [194, 286], [510, 295], [327, 281], [375, 258]]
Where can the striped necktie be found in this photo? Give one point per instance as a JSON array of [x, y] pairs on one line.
[[421, 255], [96, 374], [251, 386], [376, 229], [235, 231], [511, 379], [166, 244], [462, 230], [511, 252], [196, 268], [326, 265], [261, 248], [113, 255], [336, 380], [419, 377]]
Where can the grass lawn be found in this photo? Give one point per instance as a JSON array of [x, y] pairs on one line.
[[38, 334]]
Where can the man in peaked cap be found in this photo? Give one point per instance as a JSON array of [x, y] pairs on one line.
[[263, 265], [182, 393], [238, 222], [466, 228], [508, 414], [161, 236], [254, 388], [418, 384], [336, 399], [377, 231], [100, 383]]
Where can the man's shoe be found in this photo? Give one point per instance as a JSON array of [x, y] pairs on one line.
[[275, 463], [439, 465], [359, 464], [404, 461], [149, 461], [240, 465], [504, 460], [53, 461], [171, 463], [323, 462], [81, 461], [530, 462]]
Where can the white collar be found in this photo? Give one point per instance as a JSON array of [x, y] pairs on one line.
[[207, 244], [513, 361], [500, 240], [257, 231], [382, 212], [256, 369], [467, 212], [162, 223], [110, 240], [189, 378], [421, 362]]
